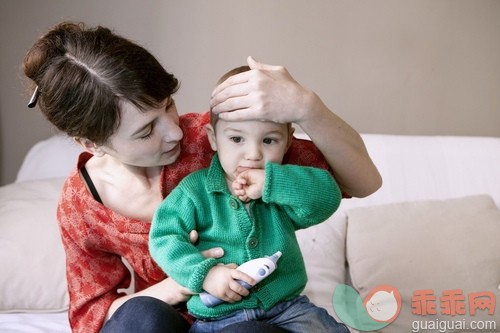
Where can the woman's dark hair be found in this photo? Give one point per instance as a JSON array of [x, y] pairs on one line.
[[85, 74]]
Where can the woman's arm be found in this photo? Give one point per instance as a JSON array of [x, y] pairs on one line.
[[343, 148], [270, 93], [167, 290]]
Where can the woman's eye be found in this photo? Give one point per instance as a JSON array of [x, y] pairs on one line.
[[147, 135]]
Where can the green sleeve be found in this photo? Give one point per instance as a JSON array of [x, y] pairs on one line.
[[169, 242], [309, 195]]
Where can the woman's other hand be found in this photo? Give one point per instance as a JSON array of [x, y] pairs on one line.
[[215, 252]]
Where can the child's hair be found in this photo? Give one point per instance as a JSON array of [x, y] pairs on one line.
[[232, 72], [84, 75]]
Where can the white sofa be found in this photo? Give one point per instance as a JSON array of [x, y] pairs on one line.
[[434, 225]]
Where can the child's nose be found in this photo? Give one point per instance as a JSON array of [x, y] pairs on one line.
[[254, 152]]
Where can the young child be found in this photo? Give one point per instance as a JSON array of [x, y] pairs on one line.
[[250, 204]]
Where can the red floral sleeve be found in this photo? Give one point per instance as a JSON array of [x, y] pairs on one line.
[[304, 152]]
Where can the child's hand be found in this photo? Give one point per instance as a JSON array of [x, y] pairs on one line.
[[249, 184], [220, 282]]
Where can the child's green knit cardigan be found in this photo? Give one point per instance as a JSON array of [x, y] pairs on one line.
[[294, 197]]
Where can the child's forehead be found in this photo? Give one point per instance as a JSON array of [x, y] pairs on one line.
[[252, 126]]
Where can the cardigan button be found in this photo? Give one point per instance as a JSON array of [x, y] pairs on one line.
[[252, 242], [233, 203]]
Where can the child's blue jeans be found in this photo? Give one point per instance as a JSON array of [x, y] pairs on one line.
[[298, 315]]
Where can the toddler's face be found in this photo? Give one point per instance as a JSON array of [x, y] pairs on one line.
[[244, 145]]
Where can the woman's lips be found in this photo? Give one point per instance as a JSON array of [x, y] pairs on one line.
[[174, 150]]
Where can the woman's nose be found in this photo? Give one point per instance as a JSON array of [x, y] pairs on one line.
[[173, 133]]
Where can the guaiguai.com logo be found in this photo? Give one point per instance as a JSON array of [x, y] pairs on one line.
[[379, 308]]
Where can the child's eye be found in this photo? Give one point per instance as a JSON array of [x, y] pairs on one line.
[[269, 141], [236, 139]]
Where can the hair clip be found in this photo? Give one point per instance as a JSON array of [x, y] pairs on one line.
[[34, 98]]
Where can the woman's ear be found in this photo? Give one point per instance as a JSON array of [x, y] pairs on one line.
[[290, 136], [90, 146], [211, 136]]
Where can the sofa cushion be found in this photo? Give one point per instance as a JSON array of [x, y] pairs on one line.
[[50, 158], [442, 246], [323, 248], [31, 252]]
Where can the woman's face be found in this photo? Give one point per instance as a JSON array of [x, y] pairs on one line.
[[146, 139]]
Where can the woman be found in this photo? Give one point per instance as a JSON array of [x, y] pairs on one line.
[[115, 99]]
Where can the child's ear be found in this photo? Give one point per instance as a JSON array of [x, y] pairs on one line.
[[90, 146], [211, 136]]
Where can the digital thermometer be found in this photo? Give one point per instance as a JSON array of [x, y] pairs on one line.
[[258, 269]]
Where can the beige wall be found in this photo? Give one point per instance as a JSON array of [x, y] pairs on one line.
[[386, 66]]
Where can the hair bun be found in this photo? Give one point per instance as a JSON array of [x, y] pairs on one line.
[[51, 45]]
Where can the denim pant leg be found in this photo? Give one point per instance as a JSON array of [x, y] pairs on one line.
[[146, 315], [241, 321], [300, 315], [252, 326]]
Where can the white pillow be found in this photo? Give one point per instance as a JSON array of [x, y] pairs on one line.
[[439, 245], [54, 157], [33, 269], [323, 249]]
